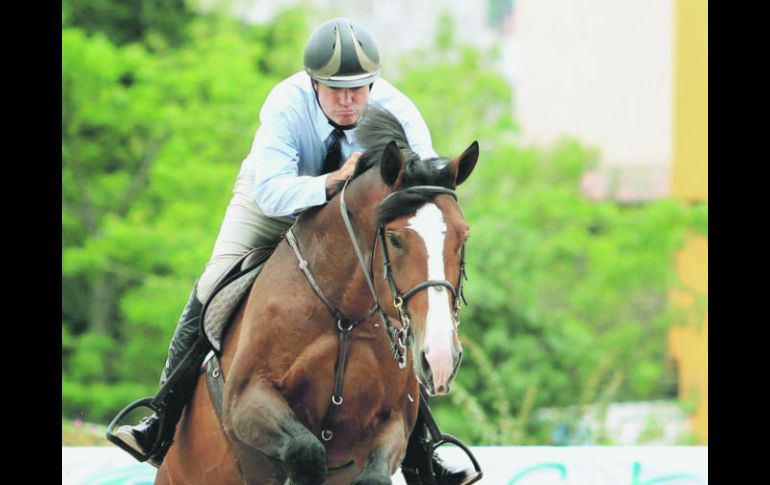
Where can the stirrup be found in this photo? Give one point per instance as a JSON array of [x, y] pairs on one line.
[[146, 402], [436, 438], [448, 438]]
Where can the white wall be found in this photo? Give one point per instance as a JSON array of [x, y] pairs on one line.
[[510, 465], [398, 25], [600, 70]]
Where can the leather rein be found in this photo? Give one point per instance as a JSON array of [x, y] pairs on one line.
[[400, 337]]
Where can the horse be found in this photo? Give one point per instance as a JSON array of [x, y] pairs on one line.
[[327, 317]]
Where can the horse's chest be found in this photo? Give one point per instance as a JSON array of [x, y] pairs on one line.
[[370, 386]]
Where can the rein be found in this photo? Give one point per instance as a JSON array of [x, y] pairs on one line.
[[400, 337]]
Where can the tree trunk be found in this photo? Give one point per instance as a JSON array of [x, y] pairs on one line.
[[101, 304]]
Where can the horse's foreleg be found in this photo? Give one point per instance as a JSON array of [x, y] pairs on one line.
[[387, 452], [161, 478], [259, 418]]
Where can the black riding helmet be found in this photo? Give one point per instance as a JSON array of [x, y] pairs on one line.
[[341, 53]]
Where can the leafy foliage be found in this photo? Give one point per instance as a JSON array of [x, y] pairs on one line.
[[157, 23], [151, 145]]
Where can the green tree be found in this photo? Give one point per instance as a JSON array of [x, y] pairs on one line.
[[156, 23], [111, 136], [151, 145]]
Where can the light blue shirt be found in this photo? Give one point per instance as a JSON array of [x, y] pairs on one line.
[[288, 150]]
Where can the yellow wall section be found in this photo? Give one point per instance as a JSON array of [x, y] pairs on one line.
[[689, 343], [689, 180], [690, 143]]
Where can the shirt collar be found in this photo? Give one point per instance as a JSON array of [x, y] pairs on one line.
[[322, 127], [321, 124]]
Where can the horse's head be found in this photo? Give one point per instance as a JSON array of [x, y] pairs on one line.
[[422, 233]]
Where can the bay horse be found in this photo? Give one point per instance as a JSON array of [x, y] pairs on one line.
[[327, 318]]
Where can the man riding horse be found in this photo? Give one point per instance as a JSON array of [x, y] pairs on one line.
[[303, 151]]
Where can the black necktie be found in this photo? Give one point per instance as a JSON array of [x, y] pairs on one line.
[[333, 154]]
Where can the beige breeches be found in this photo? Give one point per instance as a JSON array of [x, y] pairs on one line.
[[244, 228]]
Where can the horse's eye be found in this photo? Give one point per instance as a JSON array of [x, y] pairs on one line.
[[394, 241]]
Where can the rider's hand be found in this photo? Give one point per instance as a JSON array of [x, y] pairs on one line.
[[344, 173]]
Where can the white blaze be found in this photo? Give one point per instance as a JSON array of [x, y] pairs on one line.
[[428, 222]]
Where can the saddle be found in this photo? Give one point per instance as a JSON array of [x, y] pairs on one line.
[[228, 294]]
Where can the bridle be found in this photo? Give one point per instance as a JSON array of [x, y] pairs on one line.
[[400, 337]]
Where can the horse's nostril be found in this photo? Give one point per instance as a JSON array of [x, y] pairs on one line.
[[424, 361], [426, 370]]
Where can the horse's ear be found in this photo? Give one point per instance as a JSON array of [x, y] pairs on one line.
[[392, 165], [465, 163]]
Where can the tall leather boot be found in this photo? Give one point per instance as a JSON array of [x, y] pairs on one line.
[[422, 466], [183, 358]]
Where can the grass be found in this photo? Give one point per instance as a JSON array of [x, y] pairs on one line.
[[79, 433]]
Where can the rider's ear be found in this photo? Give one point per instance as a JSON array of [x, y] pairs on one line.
[[465, 163], [392, 165]]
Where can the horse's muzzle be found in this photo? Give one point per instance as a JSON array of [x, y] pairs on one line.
[[437, 383]]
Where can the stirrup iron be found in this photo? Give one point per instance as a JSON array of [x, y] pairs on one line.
[[148, 403]]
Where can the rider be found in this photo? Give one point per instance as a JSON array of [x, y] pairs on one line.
[[307, 118]]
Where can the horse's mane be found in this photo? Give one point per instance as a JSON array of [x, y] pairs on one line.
[[377, 128]]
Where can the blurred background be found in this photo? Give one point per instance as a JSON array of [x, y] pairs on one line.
[[587, 321]]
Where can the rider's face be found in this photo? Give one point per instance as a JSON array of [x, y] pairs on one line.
[[343, 105]]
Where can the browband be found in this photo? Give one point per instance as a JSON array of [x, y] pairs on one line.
[[436, 189]]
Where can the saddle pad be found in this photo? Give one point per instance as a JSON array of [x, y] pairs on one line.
[[228, 294]]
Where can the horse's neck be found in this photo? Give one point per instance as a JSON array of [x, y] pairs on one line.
[[328, 249]]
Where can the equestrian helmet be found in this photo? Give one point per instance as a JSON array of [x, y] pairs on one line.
[[342, 54]]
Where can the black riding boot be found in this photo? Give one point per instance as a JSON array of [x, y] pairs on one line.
[[183, 359], [422, 466]]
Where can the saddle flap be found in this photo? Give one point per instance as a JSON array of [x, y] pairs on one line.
[[229, 292]]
